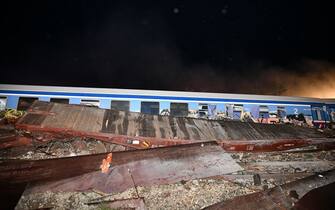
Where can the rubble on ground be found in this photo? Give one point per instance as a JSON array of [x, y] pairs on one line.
[[61, 148], [198, 193], [145, 144], [193, 194]]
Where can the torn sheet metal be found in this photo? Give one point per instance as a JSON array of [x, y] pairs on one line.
[[15, 141], [18, 171], [95, 122], [179, 163], [280, 197], [268, 145], [48, 117], [10, 138], [140, 131], [318, 198]]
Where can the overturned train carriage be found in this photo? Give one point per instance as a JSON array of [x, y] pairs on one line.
[[140, 131]]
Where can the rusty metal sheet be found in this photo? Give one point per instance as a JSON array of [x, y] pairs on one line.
[[109, 125], [319, 198], [62, 120], [280, 197], [65, 117], [237, 130], [18, 171], [90, 119], [178, 163], [9, 138], [14, 141], [267, 145]]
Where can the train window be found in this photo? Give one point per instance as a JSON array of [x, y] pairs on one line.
[[281, 111], [207, 110], [3, 101], [317, 113], [332, 114], [90, 102], [179, 109], [60, 100], [263, 111], [148, 107], [120, 105], [202, 110], [25, 102]]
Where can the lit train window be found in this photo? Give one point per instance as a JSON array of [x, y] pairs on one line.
[[25, 102], [120, 105], [3, 101], [89, 102], [148, 107], [60, 100], [179, 109]]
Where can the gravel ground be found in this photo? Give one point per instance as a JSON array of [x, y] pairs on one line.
[[247, 157], [62, 148], [193, 194]]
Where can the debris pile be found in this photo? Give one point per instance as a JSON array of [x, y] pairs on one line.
[[11, 115], [76, 157]]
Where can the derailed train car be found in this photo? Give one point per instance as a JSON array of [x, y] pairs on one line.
[[259, 108]]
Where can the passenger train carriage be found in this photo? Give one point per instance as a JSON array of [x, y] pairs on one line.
[[258, 108]]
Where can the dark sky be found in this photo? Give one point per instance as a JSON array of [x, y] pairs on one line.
[[263, 47]]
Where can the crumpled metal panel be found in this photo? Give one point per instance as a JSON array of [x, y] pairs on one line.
[[280, 197], [173, 165], [142, 131], [65, 117]]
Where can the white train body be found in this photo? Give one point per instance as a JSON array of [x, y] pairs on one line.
[[176, 102]]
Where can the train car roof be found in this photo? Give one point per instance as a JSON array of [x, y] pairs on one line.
[[136, 92]]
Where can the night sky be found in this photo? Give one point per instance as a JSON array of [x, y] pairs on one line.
[[258, 47]]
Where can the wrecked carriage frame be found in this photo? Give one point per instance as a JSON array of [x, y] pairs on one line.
[[39, 122]]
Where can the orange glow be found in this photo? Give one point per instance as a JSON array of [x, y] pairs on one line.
[[317, 81]]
